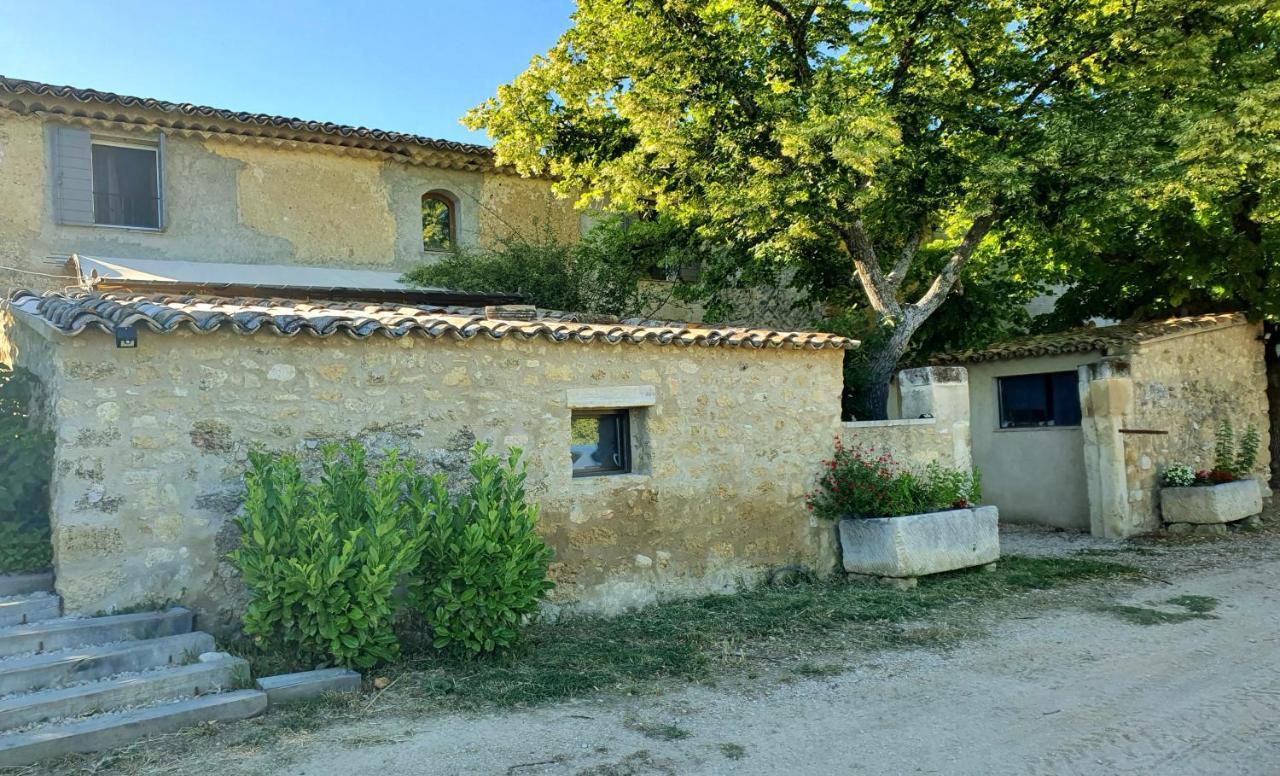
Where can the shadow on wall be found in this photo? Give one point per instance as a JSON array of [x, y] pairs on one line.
[[26, 460]]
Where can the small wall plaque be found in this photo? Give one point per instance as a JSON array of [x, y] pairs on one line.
[[126, 336]]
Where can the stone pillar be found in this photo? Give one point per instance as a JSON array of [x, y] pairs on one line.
[[942, 393], [1106, 396]]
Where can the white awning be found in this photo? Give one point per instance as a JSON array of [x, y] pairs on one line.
[[94, 271]]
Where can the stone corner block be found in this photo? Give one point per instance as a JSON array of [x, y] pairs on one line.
[[918, 545], [305, 685], [1211, 504]]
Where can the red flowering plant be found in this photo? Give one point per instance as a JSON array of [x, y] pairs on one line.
[[864, 482]]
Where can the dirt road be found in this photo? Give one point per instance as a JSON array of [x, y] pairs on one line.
[[1083, 690]]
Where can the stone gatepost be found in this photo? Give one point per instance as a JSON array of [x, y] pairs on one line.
[[941, 393], [1106, 397]]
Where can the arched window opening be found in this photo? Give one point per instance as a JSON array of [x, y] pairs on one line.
[[439, 221]]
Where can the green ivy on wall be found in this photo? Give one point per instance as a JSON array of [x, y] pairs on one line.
[[26, 456]]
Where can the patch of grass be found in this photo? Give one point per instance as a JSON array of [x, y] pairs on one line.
[[1195, 603], [733, 751], [1198, 607], [658, 731], [1105, 552], [683, 640]]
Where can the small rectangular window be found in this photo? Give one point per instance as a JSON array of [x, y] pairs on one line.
[[1032, 401], [126, 185], [600, 442]]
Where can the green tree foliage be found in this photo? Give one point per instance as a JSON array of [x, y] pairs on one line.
[[605, 273], [484, 566], [1186, 217], [878, 143], [26, 463]]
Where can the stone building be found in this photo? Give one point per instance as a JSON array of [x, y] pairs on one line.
[[1072, 429], [97, 174], [717, 432]]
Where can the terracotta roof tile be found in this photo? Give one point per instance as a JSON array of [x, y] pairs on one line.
[[18, 86], [1107, 339], [73, 313]]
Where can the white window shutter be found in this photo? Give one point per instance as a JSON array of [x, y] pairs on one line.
[[72, 176]]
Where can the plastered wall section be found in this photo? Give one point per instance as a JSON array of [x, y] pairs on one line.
[[152, 444], [257, 203], [1185, 386]]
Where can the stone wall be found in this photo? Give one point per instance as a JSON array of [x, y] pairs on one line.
[[934, 427], [259, 203], [1184, 387], [152, 444]]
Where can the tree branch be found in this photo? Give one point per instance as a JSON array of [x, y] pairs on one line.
[[932, 298], [797, 29], [908, 255], [867, 265]]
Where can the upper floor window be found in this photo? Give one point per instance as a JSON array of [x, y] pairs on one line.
[[126, 185], [439, 221], [107, 180], [1031, 401]]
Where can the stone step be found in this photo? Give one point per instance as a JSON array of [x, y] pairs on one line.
[[220, 673], [68, 632], [107, 731], [57, 669], [29, 608], [23, 584]]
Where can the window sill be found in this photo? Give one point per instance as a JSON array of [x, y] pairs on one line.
[[143, 229], [617, 480], [1036, 428]]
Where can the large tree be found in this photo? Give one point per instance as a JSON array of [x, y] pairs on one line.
[[893, 137]]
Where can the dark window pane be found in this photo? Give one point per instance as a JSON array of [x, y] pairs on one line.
[[600, 443], [1048, 399], [125, 187], [1066, 399]]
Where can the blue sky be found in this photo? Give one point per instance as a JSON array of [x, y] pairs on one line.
[[404, 66]]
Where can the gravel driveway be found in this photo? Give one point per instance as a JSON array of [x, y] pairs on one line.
[[1073, 690]]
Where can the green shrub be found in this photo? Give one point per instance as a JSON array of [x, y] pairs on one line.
[[25, 548], [321, 560], [1247, 454], [26, 453], [484, 565], [862, 483]]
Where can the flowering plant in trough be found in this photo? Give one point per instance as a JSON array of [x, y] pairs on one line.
[[864, 482]]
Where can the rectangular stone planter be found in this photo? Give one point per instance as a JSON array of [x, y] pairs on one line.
[[918, 545], [1212, 504]]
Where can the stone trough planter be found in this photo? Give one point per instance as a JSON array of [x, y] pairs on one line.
[[903, 548], [1211, 504]]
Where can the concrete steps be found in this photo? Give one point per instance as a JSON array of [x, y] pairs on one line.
[[72, 684], [33, 607], [202, 678], [106, 731], [24, 584], [68, 632]]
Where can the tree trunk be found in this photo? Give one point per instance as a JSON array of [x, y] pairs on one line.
[[1273, 397], [872, 401]]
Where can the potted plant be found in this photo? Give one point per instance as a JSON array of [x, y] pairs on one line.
[[898, 523], [1224, 494]]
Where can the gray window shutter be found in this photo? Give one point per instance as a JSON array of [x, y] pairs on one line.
[[72, 176]]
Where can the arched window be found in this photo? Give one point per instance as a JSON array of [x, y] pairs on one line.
[[439, 221]]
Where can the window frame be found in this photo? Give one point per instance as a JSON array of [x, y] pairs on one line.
[[451, 203], [624, 442], [156, 149], [1048, 380]]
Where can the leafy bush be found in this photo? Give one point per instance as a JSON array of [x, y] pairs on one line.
[[862, 483], [1178, 475], [1231, 462], [604, 273], [321, 560], [26, 453], [484, 565]]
